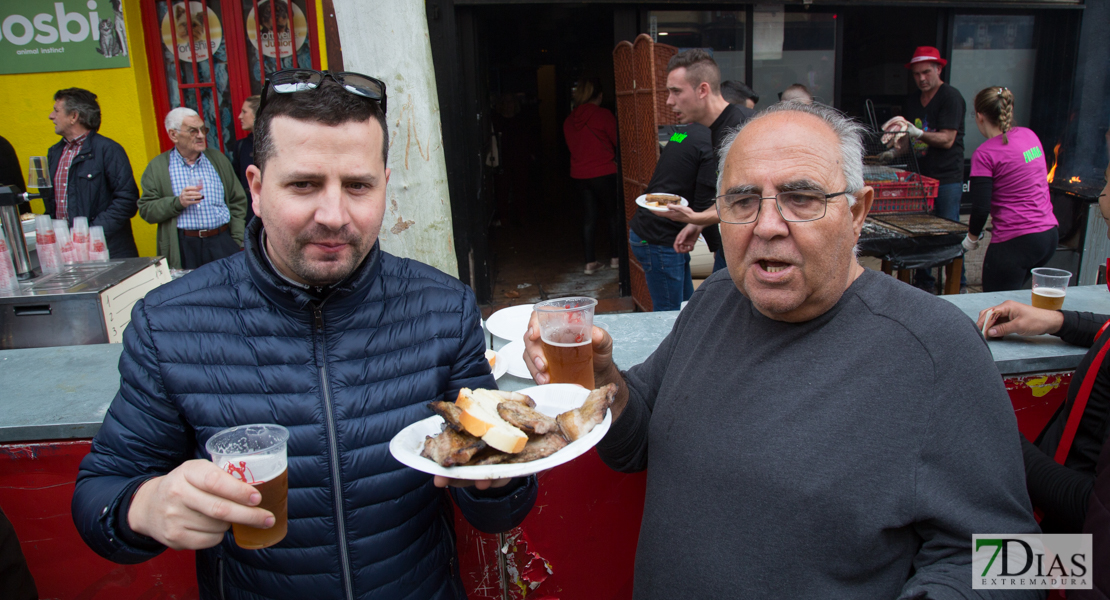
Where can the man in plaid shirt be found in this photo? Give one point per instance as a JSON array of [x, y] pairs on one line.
[[192, 193], [91, 173]]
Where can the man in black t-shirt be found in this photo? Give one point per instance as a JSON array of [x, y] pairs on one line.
[[687, 167], [934, 121], [694, 94]]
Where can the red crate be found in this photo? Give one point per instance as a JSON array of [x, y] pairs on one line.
[[911, 193]]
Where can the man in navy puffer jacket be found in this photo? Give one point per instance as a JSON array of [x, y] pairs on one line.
[[313, 327]]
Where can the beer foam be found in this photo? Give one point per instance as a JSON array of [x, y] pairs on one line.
[[1048, 292], [253, 468], [560, 345]]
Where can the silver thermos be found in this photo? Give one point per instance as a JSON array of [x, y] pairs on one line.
[[10, 199]]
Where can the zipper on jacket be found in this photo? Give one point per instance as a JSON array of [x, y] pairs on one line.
[[333, 459], [220, 577]]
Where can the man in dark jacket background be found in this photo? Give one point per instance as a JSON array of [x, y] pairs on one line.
[[315, 328], [92, 175]]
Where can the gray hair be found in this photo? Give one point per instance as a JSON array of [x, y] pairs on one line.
[[848, 131], [82, 102], [176, 116]]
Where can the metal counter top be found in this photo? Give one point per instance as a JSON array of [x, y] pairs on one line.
[[63, 393], [56, 393], [1016, 354]]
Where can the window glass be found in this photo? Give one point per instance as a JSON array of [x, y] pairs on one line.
[[993, 50], [292, 31], [203, 67], [720, 31], [791, 48]]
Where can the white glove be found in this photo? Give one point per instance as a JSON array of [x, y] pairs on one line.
[[913, 131], [969, 244], [897, 126]]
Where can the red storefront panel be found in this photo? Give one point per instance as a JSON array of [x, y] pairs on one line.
[[210, 55], [579, 541], [36, 488], [1036, 398]]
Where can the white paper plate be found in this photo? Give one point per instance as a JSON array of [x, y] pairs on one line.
[[510, 323], [500, 366], [551, 400], [514, 359], [642, 201]]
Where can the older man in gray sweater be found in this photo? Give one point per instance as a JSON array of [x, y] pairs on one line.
[[811, 429]]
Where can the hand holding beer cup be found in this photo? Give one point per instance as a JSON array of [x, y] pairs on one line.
[[566, 336], [1021, 319], [255, 454], [600, 344], [191, 507]]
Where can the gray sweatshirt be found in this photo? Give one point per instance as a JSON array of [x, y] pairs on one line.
[[851, 456]]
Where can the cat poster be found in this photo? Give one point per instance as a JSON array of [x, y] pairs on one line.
[[38, 36]]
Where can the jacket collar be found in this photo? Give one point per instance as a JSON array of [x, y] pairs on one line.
[[86, 146], [343, 296]]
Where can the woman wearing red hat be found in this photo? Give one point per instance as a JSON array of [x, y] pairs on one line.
[[934, 119]]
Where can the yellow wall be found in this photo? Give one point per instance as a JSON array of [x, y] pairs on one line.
[[126, 105]]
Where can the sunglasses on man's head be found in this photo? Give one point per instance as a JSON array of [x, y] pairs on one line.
[[289, 81]]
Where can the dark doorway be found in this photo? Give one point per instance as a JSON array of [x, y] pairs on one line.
[[873, 67], [534, 54]]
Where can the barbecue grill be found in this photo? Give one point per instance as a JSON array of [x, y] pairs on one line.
[[899, 228]]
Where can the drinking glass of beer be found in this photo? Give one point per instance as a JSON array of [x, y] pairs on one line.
[[1049, 287], [566, 329], [256, 455]]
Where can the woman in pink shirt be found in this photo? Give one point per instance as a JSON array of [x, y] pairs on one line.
[[1009, 181]]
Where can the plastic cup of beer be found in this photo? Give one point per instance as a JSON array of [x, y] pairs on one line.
[[1049, 288], [566, 330], [38, 173], [255, 454]]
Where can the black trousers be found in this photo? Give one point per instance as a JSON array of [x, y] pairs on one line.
[[16, 582], [601, 192], [1007, 264], [197, 252]]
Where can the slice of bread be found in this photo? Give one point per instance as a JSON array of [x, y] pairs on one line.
[[491, 356], [480, 419]]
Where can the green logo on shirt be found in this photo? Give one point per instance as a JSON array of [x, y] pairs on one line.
[[1032, 153], [678, 137]]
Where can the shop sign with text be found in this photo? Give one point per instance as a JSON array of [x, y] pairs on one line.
[[38, 36]]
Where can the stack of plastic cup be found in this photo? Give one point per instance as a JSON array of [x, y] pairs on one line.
[[61, 230], [98, 244], [81, 238], [8, 281], [46, 245]]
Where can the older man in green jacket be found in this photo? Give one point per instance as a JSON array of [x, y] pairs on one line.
[[192, 194]]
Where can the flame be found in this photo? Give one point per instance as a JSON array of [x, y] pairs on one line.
[[1055, 161], [1074, 180]]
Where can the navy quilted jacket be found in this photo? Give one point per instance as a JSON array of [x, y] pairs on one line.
[[232, 344]]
